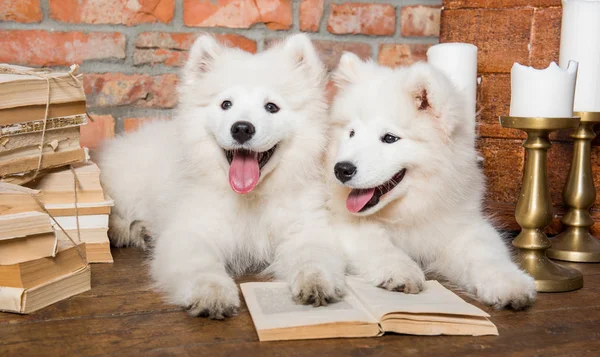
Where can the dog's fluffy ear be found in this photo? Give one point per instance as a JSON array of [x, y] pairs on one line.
[[434, 96], [300, 49], [203, 53], [348, 70]]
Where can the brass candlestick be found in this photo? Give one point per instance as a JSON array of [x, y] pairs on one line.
[[534, 207], [575, 243]]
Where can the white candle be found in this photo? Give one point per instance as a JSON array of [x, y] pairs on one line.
[[580, 41], [458, 61], [542, 92]]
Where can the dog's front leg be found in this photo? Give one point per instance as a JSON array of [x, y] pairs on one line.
[[189, 267], [479, 262], [311, 263], [373, 257]]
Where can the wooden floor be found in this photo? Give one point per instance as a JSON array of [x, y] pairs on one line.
[[120, 316]]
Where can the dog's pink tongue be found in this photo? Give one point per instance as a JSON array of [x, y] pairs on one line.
[[244, 171], [357, 199]]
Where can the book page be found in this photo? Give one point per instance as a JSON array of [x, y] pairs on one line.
[[58, 206], [272, 306], [22, 224], [434, 299], [85, 222]]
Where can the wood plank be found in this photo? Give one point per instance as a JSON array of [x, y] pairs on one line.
[[142, 333], [122, 316], [119, 288], [124, 288]]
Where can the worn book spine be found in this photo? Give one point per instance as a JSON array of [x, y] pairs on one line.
[[35, 272], [12, 202], [49, 160], [62, 211], [38, 125], [23, 249], [64, 197], [36, 112], [18, 146], [31, 90], [26, 301], [24, 224], [99, 252]]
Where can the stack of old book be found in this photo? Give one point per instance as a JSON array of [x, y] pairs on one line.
[[56, 221], [35, 270], [23, 98], [80, 183]]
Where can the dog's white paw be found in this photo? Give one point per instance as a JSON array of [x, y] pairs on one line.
[[123, 233], [408, 278], [314, 286], [213, 296], [513, 289], [394, 273]]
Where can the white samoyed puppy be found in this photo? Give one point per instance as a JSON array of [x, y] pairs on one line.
[[234, 182], [406, 189]]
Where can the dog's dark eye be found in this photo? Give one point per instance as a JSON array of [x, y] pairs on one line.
[[389, 138], [271, 108], [352, 133], [226, 105]]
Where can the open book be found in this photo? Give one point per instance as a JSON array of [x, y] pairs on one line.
[[366, 311]]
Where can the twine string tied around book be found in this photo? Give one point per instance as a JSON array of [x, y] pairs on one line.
[[40, 74], [76, 184]]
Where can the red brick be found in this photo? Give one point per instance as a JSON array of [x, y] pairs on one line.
[[43, 48], [545, 36], [358, 18], [393, 55], [331, 51], [117, 89], [503, 216], [503, 168], [152, 56], [133, 124], [420, 21], [311, 12], [502, 36], [101, 128], [171, 48], [498, 4], [120, 12], [275, 14], [562, 136], [488, 130], [494, 97], [20, 10], [493, 101], [596, 141]]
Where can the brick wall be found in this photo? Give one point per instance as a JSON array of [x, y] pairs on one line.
[[508, 31], [131, 50]]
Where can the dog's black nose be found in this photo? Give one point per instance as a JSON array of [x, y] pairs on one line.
[[242, 131], [344, 171]]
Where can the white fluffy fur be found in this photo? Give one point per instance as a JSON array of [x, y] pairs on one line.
[[432, 220], [172, 176]]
